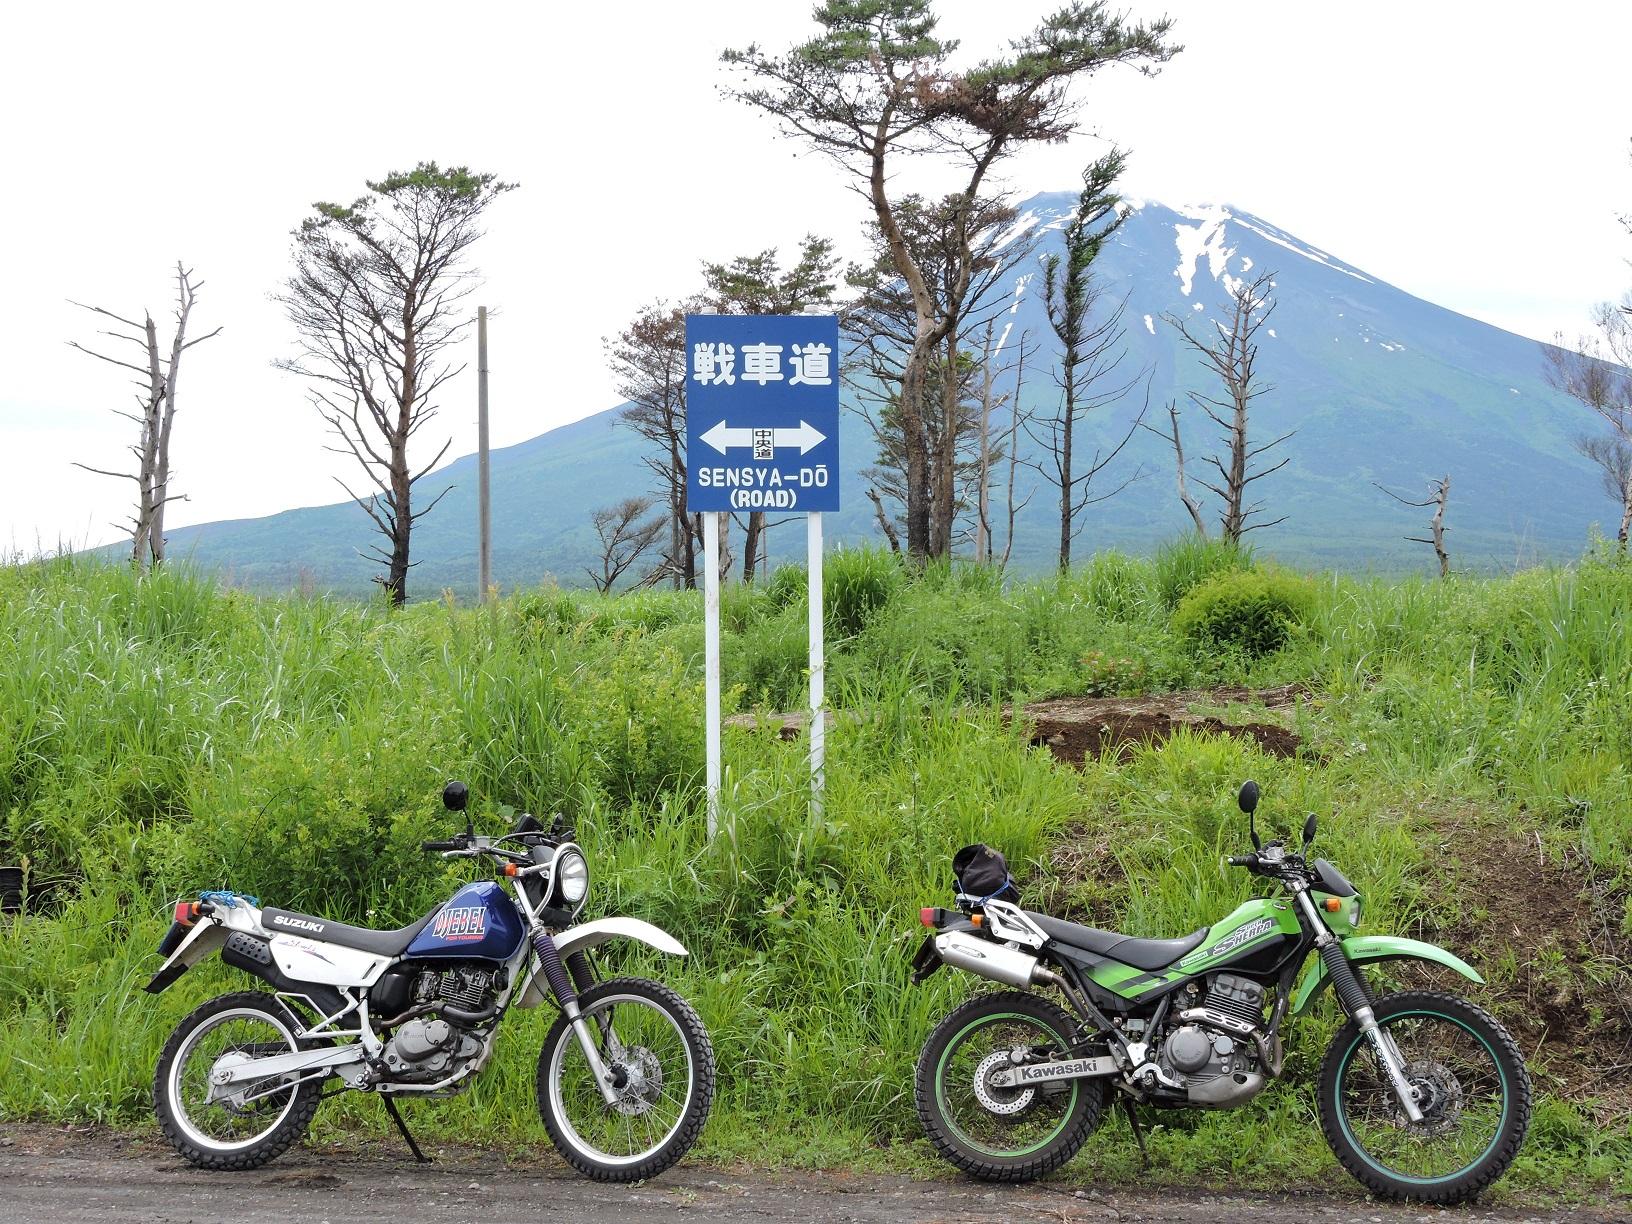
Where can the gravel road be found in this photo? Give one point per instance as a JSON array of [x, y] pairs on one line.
[[67, 1175]]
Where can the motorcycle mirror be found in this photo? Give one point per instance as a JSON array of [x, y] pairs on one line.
[[1309, 830], [455, 796], [1247, 801]]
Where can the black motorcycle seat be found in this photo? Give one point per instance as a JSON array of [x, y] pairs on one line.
[[1140, 953], [379, 943]]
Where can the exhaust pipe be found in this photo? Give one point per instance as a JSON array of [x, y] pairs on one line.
[[991, 960]]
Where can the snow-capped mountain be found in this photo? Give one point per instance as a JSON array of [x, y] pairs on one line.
[[1379, 385]]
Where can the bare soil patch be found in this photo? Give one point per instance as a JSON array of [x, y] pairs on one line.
[[1537, 916], [1077, 728]]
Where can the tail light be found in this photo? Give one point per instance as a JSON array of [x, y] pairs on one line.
[[186, 912]]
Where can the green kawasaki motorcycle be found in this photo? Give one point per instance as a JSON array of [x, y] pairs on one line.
[[1422, 1094]]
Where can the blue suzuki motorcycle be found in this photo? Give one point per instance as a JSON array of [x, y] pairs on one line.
[[625, 1077]]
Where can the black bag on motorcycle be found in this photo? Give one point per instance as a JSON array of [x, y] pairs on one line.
[[983, 873]]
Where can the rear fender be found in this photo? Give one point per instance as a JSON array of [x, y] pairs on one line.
[[1363, 948], [592, 935], [205, 938]]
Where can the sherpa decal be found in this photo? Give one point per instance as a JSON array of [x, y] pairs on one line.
[[1243, 934]]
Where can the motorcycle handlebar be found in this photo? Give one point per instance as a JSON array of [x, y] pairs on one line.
[[1242, 860], [457, 844]]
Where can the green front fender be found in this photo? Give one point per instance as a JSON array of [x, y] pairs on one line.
[[1376, 948]]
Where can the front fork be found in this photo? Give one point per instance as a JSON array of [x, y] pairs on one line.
[[1356, 1000], [555, 973]]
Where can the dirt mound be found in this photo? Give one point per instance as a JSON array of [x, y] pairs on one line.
[[1547, 934], [1076, 728]]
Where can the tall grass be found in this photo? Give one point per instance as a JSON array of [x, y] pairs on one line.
[[158, 735]]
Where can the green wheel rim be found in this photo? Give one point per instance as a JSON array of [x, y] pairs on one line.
[[945, 1108], [1361, 1149]]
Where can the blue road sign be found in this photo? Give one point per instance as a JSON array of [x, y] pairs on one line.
[[762, 412]]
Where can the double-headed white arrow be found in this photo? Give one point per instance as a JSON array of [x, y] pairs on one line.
[[805, 437]]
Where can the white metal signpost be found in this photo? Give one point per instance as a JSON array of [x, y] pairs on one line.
[[762, 433]]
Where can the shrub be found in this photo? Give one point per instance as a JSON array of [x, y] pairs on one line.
[[788, 585], [1185, 563], [1252, 610], [856, 583]]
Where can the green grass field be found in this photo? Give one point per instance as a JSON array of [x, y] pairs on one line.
[[1468, 745]]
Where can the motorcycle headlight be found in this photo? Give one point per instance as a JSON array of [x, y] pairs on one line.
[[572, 878], [1354, 913]]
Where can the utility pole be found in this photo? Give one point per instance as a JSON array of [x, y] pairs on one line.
[[486, 529]]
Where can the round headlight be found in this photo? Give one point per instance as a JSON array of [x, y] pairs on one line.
[[572, 877]]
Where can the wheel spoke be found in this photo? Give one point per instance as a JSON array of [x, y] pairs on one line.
[[1003, 1122], [228, 1116], [1459, 1088], [650, 1052]]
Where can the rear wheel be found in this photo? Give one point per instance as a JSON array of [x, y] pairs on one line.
[[1472, 1090], [240, 1125], [994, 1132]]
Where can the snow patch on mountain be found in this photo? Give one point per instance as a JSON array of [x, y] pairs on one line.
[[1281, 238], [1206, 237]]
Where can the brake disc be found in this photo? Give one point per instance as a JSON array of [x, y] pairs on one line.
[[1442, 1099], [1005, 1102], [644, 1083]]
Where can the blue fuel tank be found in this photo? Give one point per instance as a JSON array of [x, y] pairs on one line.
[[480, 922]]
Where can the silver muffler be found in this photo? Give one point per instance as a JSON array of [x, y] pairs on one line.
[[986, 959]]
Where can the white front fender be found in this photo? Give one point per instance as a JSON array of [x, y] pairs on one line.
[[593, 935]]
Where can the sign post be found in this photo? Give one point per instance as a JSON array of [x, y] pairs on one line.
[[762, 433]]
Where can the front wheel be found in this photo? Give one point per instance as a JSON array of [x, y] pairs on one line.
[[994, 1132], [1472, 1090], [661, 1059]]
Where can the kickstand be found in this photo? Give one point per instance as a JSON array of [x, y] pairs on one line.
[[1138, 1131], [391, 1108]]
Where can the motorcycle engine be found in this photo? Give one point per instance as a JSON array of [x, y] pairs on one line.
[[1211, 1052], [432, 1046]]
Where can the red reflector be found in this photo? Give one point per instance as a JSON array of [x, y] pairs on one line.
[[186, 912], [927, 915]]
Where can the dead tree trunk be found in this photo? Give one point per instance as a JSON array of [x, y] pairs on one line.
[[1437, 529], [1185, 495], [157, 402], [1232, 355]]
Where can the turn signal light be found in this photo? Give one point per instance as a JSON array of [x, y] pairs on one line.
[[976, 920], [509, 869], [1333, 905]]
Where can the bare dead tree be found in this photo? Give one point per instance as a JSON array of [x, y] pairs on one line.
[[983, 447], [1018, 418], [625, 535], [157, 379], [1613, 455], [649, 361], [376, 299], [875, 83], [1232, 355], [1441, 492], [1177, 443], [1091, 350], [1595, 373]]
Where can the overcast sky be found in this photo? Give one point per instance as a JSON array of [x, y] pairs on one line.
[[1473, 153]]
